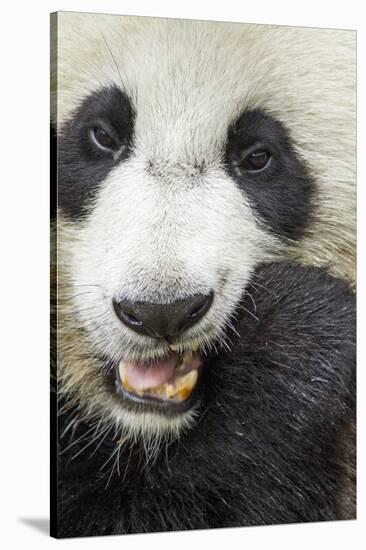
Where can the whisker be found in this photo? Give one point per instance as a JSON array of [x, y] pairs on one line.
[[78, 440], [252, 299], [240, 306]]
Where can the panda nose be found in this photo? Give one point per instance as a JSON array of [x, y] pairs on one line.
[[163, 320]]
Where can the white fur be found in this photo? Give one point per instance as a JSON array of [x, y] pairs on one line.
[[159, 229]]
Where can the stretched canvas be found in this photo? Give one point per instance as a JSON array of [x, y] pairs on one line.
[[203, 274]]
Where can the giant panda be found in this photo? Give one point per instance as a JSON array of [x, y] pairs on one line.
[[204, 269]]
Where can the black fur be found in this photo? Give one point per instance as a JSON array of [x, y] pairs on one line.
[[267, 447], [281, 194], [81, 167]]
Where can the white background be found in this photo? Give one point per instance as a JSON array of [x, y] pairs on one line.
[[24, 196]]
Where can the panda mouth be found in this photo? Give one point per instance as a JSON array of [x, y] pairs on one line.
[[168, 382]]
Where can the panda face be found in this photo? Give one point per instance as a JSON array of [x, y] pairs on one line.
[[174, 183], [162, 232]]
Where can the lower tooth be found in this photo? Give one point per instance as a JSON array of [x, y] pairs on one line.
[[188, 381], [185, 385], [170, 390], [125, 384], [180, 389], [122, 372]]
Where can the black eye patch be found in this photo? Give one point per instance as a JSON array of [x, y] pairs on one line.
[[261, 158], [83, 161]]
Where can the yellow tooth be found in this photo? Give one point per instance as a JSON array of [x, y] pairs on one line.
[[194, 346], [121, 370], [181, 388], [173, 347], [170, 390], [122, 375], [188, 381], [186, 385]]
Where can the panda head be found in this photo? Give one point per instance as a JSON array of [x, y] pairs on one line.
[[188, 153]]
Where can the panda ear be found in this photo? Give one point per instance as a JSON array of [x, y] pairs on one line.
[[53, 172]]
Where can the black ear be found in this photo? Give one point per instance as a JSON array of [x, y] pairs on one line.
[[53, 172]]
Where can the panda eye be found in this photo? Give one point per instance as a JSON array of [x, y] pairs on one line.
[[103, 139], [255, 161]]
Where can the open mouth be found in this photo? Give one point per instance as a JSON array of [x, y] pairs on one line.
[[169, 383]]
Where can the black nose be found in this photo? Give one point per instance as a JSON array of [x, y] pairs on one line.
[[163, 320]]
